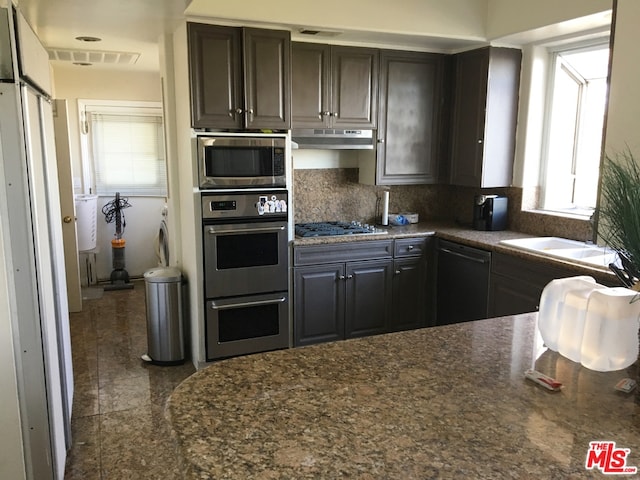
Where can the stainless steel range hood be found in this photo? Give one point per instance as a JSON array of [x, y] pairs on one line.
[[333, 139]]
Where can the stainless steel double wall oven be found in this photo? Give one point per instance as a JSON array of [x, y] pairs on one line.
[[245, 238]]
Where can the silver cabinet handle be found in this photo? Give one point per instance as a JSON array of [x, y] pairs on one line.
[[213, 231], [247, 304], [239, 111], [349, 277], [410, 247], [341, 277], [398, 272]]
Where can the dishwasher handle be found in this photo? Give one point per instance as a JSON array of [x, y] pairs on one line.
[[481, 260]]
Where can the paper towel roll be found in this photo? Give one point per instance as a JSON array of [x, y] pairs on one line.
[[385, 208], [86, 221]]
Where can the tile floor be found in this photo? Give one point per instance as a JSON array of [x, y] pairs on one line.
[[118, 425]]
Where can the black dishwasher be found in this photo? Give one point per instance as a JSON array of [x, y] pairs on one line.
[[462, 287]]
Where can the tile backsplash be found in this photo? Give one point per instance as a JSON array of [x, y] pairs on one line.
[[335, 194]]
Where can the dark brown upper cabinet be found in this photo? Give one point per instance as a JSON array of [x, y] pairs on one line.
[[485, 109], [240, 78], [334, 86], [410, 112]]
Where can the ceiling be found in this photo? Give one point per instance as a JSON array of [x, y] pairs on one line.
[[135, 27], [123, 25]]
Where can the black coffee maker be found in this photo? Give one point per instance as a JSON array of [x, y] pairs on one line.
[[490, 212]]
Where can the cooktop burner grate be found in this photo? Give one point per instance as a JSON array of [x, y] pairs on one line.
[[325, 229]]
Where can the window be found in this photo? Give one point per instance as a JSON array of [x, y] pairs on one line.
[[574, 125], [126, 148]]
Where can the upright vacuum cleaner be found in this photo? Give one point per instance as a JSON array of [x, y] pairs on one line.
[[113, 213]]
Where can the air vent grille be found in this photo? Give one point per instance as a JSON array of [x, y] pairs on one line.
[[93, 56], [319, 33]]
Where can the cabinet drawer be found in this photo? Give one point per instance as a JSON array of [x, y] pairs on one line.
[[410, 247], [343, 252]]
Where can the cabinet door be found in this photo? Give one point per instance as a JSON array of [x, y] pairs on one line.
[[409, 117], [267, 67], [310, 84], [368, 297], [319, 304], [487, 84], [215, 76], [511, 296], [354, 89], [409, 294], [471, 72]]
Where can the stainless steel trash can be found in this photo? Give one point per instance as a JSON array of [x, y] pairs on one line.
[[165, 328]]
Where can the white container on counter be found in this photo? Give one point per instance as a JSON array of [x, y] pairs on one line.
[[552, 304], [610, 339], [589, 323], [572, 315]]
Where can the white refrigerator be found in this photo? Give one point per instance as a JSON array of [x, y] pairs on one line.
[[31, 233]]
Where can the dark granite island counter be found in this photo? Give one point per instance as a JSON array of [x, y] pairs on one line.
[[443, 402]]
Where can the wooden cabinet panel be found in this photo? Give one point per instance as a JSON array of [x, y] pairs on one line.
[[368, 297], [355, 289], [334, 86], [409, 117], [516, 284], [409, 294], [487, 83], [215, 75], [267, 60], [319, 304], [239, 78], [354, 87], [310, 85]]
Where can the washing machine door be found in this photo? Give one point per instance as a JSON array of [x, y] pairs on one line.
[[163, 244]]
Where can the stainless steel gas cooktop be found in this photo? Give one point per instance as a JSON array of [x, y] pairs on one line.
[[325, 229]]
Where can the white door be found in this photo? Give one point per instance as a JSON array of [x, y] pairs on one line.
[[67, 206], [54, 312]]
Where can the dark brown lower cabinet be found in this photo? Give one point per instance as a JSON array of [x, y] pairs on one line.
[[517, 283], [372, 293]]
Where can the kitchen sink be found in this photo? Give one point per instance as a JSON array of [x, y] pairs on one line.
[[566, 249]]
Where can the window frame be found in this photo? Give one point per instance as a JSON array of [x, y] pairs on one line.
[[554, 52], [116, 107]]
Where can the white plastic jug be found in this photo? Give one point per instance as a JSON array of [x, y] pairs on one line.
[[572, 315], [552, 305], [610, 340]]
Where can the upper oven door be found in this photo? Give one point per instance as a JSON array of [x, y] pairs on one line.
[[241, 162], [245, 258]]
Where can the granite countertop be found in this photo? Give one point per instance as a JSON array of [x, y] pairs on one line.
[[486, 240], [442, 402]]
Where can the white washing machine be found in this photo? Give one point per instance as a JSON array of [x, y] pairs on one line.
[[162, 241]]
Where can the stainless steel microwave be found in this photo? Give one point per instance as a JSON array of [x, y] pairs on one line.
[[242, 161]]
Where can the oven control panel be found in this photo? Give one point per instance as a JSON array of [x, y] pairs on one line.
[[244, 205]]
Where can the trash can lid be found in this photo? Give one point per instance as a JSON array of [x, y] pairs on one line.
[[163, 275]]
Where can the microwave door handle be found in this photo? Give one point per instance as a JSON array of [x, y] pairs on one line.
[[212, 230], [247, 304]]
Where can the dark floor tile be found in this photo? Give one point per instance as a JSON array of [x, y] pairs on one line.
[[119, 431], [83, 459]]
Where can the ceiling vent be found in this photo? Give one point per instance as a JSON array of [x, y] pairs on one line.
[[93, 57], [319, 33]]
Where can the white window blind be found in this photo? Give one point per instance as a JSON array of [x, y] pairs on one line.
[[128, 154]]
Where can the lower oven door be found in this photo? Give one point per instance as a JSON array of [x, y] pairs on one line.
[[249, 324], [246, 258]]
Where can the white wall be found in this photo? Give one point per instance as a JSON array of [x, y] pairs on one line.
[[623, 118], [507, 17], [453, 18], [143, 218]]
